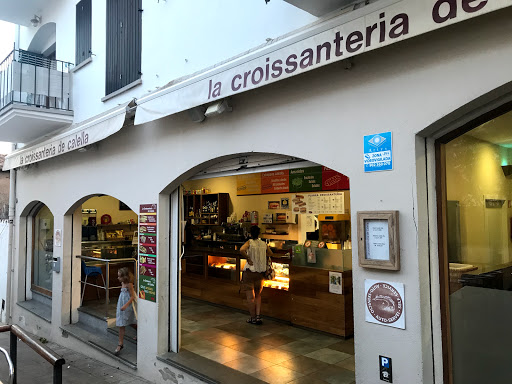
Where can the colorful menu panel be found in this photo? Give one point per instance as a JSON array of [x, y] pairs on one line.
[[333, 181], [248, 184], [306, 179], [275, 182], [147, 252], [310, 179]]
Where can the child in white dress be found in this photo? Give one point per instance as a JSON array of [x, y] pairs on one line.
[[126, 313]]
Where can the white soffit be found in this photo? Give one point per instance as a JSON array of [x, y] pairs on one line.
[[320, 7], [74, 137]]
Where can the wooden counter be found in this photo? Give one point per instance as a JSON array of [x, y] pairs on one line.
[[308, 302]]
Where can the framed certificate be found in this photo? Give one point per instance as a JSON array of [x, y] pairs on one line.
[[378, 240]]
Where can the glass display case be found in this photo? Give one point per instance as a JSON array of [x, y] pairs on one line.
[[109, 249], [222, 267], [282, 278]]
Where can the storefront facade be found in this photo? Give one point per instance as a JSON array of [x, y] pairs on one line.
[[420, 89]]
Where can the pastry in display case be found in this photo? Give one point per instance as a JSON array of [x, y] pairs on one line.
[[281, 279], [222, 267]]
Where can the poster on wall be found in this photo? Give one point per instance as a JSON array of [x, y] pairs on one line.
[[319, 203], [385, 303], [335, 283], [147, 252], [378, 152]]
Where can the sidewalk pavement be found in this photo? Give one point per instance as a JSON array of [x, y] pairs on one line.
[[79, 369]]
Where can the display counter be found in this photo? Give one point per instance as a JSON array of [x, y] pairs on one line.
[[299, 292], [109, 249]]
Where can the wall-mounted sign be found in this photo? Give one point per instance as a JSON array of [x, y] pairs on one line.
[[296, 180], [385, 369], [249, 184], [147, 252], [378, 152], [335, 283], [274, 182], [378, 240], [318, 203], [385, 303], [306, 179], [333, 181], [57, 238]]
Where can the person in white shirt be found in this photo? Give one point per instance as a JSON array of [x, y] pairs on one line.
[[256, 252]]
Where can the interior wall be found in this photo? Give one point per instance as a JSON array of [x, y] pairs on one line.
[[473, 173], [259, 203], [109, 205]]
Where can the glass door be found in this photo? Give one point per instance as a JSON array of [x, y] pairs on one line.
[[42, 251], [476, 252]]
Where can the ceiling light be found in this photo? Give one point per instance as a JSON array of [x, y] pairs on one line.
[[35, 20]]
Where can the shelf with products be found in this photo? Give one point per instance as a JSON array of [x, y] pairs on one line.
[[206, 209]]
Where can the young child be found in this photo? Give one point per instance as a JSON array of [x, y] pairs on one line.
[[125, 314]]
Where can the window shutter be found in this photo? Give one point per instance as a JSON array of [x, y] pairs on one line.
[[124, 40], [83, 30]]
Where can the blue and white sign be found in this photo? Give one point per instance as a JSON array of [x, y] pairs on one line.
[[378, 152]]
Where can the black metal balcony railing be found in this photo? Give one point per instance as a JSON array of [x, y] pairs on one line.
[[29, 79]]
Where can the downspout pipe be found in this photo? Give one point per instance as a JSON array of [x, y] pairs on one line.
[[10, 249]]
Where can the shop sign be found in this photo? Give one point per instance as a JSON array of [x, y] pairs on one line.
[[249, 184], [306, 179], [385, 303], [378, 152], [275, 182], [370, 27], [147, 251], [333, 181]]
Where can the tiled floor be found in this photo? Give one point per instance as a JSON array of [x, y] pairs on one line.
[[273, 352]]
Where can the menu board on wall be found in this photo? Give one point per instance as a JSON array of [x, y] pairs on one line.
[[309, 179], [333, 181], [248, 184], [275, 182], [319, 203], [147, 252], [306, 179]]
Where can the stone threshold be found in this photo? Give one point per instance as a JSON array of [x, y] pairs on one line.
[[81, 333], [206, 370]]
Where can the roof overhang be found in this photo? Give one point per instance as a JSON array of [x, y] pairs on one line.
[[72, 138], [23, 123], [21, 12], [320, 7]]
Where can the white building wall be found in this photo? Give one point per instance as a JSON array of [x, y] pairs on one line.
[[321, 116], [179, 38]]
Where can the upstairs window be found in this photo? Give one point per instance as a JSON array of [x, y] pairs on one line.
[[83, 31], [124, 40]]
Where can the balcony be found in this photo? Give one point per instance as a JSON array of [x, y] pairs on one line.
[[35, 96]]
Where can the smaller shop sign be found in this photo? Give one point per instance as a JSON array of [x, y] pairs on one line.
[[275, 182], [333, 181], [147, 252], [378, 152], [385, 303], [306, 179]]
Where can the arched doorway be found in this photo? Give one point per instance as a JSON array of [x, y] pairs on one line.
[[303, 211], [104, 242]]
